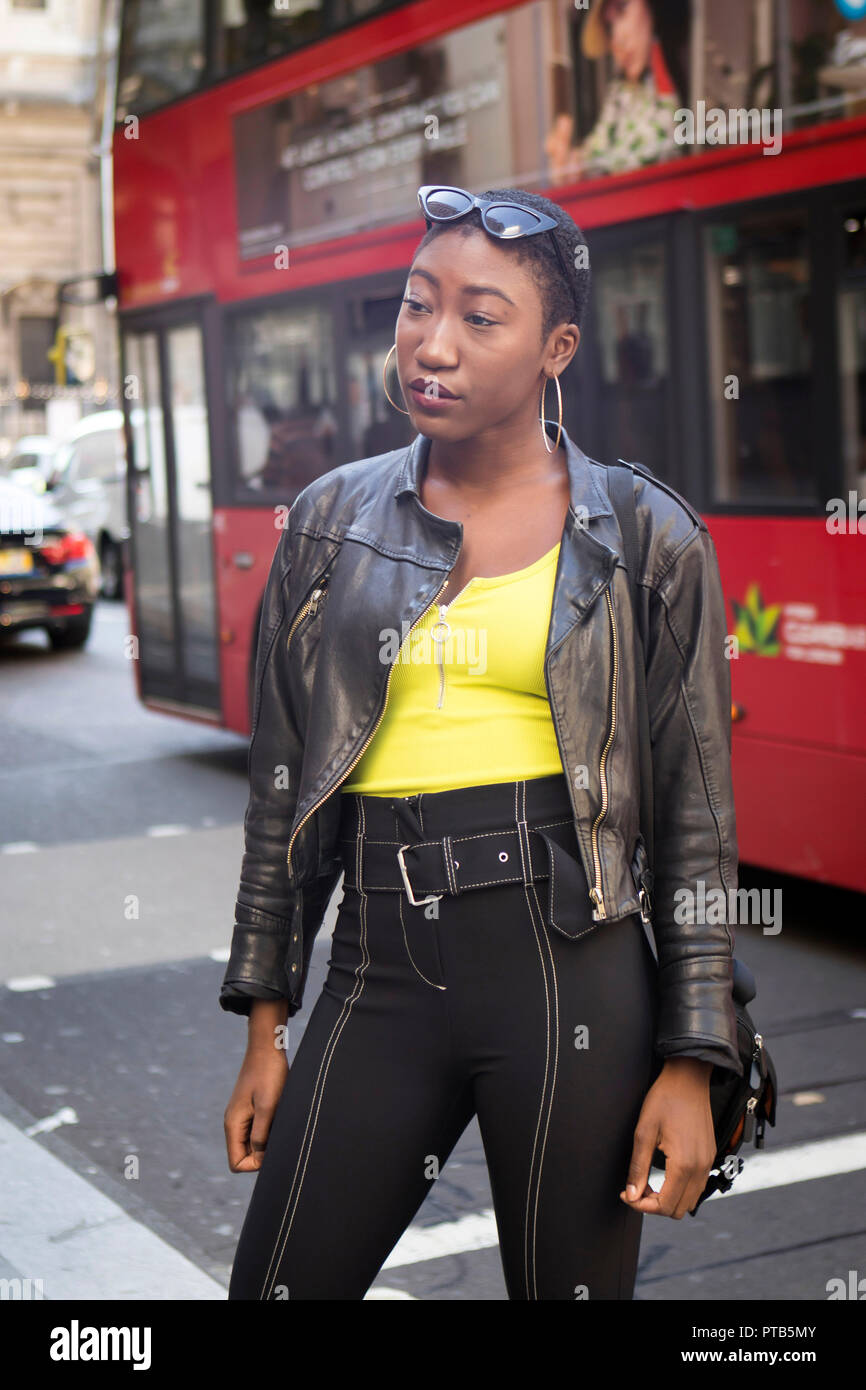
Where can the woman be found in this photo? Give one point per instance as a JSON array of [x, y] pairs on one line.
[[446, 639], [647, 40]]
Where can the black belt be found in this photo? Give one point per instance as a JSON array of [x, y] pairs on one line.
[[426, 870]]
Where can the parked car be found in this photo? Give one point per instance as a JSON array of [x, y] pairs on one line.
[[88, 484], [49, 571], [31, 461]]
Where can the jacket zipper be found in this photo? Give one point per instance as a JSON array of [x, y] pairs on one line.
[[310, 606], [595, 893], [360, 752]]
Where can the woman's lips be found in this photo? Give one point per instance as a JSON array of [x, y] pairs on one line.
[[431, 397], [432, 387]]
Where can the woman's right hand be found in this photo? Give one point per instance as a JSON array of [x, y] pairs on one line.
[[263, 1073]]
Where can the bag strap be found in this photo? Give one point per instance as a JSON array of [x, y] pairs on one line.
[[620, 478]]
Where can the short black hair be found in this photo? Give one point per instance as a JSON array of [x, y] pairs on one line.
[[561, 301]]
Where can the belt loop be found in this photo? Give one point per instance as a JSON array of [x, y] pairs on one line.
[[523, 832], [449, 863]]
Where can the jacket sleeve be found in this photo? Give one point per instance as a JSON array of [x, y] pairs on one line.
[[265, 900], [694, 827]]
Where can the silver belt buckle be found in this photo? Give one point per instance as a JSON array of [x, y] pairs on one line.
[[416, 902]]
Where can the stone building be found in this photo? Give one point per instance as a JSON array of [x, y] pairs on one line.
[[56, 64]]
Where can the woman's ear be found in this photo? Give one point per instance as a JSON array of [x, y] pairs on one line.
[[565, 344]]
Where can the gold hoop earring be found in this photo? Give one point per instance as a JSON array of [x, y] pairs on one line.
[[385, 388], [541, 415]]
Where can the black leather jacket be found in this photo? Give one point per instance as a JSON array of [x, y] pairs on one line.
[[359, 554]]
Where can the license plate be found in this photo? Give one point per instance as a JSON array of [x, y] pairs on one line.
[[18, 561]]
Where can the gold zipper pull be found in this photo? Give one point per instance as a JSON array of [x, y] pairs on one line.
[[310, 607], [599, 913]]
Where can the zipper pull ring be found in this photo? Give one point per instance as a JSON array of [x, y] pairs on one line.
[[441, 623]]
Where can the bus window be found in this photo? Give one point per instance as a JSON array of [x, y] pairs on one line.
[[162, 53], [760, 391], [628, 288], [252, 31], [282, 396]]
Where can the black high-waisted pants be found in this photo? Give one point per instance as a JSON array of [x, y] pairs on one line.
[[425, 1020]]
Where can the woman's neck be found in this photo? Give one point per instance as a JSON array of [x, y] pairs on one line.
[[491, 465]]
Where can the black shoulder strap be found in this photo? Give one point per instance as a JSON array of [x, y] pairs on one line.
[[621, 489]]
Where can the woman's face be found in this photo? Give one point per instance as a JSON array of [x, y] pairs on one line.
[[470, 324], [629, 27]]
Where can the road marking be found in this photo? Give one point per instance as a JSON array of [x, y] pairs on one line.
[[825, 1158], [380, 1291], [60, 1229], [65, 1116], [24, 982], [476, 1231], [158, 830], [19, 847]]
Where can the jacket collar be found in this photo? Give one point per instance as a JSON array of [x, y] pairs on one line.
[[587, 499]]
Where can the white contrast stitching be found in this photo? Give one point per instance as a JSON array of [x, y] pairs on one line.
[[546, 1064]]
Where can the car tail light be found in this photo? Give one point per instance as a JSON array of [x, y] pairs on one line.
[[73, 546]]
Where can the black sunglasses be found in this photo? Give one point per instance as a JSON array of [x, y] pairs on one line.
[[500, 218]]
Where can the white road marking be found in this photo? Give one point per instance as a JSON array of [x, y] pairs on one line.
[[79, 1242], [65, 1116], [157, 830], [381, 1292], [19, 847], [25, 982], [220, 953], [475, 1231]]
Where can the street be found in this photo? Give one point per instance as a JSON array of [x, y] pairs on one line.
[[122, 836]]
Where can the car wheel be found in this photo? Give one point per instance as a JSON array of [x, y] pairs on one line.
[[73, 634], [112, 570]]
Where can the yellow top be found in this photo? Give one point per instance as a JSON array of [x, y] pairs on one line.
[[467, 703]]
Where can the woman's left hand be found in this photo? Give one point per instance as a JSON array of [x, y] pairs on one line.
[[676, 1118]]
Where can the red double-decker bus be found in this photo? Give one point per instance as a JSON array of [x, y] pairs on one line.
[[266, 160]]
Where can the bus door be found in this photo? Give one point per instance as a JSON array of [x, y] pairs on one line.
[[170, 512]]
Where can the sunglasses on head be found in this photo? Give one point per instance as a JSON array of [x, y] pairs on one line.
[[500, 218]]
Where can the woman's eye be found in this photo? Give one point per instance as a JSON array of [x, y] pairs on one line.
[[415, 305]]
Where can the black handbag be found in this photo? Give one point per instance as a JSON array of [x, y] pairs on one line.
[[742, 1106]]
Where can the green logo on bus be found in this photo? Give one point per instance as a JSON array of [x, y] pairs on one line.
[[757, 625]]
